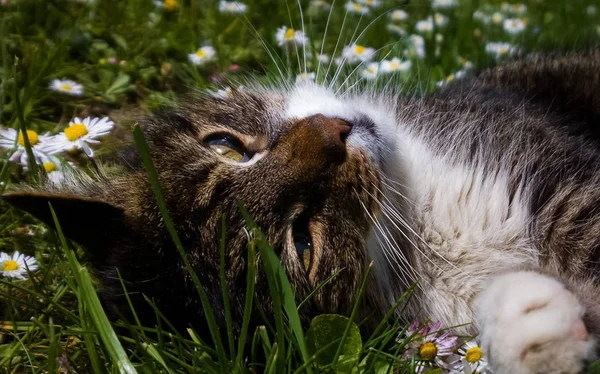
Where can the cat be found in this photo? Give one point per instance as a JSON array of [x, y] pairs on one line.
[[487, 193]]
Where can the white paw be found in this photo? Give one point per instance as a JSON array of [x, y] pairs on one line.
[[529, 323]]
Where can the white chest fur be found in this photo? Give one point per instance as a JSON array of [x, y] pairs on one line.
[[458, 226]]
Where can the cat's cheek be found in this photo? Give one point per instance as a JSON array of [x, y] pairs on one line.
[[531, 323]]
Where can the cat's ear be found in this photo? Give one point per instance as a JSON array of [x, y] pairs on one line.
[[88, 221]]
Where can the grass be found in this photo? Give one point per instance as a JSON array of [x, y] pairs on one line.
[[132, 57]]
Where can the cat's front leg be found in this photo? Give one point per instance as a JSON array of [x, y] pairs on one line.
[[530, 323]]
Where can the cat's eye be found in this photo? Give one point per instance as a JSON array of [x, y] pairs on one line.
[[303, 241], [229, 147]]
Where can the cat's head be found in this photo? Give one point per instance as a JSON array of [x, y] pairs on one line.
[[304, 163]]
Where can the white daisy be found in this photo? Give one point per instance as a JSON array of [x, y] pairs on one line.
[[357, 53], [168, 5], [202, 55], [500, 49], [399, 30], [305, 77], [39, 144], [80, 134], [320, 4], [398, 15], [371, 3], [514, 25], [472, 358], [482, 17], [67, 86], [357, 8], [288, 36], [53, 168], [395, 64], [424, 25], [497, 18], [440, 19], [417, 40], [232, 7], [16, 266], [221, 93], [439, 4], [370, 71], [417, 46], [591, 10], [226, 92], [323, 58], [429, 345], [458, 75], [466, 64], [517, 8]]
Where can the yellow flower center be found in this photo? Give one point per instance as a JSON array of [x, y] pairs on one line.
[[49, 167], [359, 49], [503, 51], [369, 2], [200, 53], [450, 77], [75, 131], [395, 66], [66, 87], [289, 34], [31, 135], [473, 354], [170, 5], [357, 7], [428, 351], [10, 265]]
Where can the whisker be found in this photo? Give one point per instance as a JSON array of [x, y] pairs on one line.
[[325, 37], [265, 45]]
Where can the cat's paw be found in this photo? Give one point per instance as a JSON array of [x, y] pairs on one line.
[[530, 323]]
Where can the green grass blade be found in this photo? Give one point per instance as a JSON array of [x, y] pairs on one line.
[[135, 316], [53, 347], [153, 352], [224, 291], [89, 339], [94, 308], [250, 282], [140, 142], [276, 276], [23, 127], [352, 315]]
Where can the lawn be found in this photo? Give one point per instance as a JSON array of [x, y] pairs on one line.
[[65, 65]]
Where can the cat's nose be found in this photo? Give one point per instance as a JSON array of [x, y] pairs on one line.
[[334, 129], [312, 145]]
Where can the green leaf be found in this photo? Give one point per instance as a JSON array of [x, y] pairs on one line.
[[327, 329], [120, 84]]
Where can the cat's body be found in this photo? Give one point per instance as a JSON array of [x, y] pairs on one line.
[[464, 191]]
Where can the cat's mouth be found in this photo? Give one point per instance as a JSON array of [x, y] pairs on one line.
[[304, 236]]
